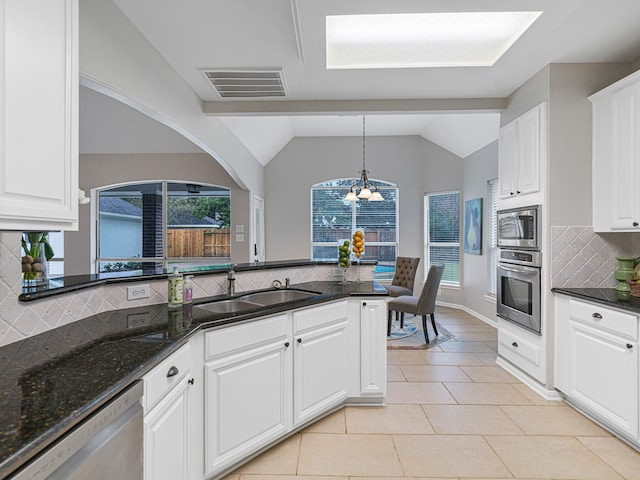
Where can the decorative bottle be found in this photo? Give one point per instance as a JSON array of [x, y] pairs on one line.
[[176, 288], [188, 289]]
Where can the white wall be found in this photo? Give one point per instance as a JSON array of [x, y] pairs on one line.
[[479, 168]]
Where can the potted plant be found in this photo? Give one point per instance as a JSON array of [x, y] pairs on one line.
[[36, 253]]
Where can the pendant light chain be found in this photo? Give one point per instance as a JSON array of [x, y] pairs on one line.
[[363, 144], [368, 190]]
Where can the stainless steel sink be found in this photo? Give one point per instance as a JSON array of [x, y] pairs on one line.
[[252, 301], [273, 297], [233, 305]]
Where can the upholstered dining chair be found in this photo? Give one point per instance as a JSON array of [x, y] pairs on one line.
[[423, 305], [404, 277]]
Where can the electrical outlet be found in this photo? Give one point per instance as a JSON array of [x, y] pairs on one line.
[[139, 291], [137, 320]]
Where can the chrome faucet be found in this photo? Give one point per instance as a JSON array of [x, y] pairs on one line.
[[231, 282]]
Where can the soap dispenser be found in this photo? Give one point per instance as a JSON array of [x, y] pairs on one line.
[[188, 289]]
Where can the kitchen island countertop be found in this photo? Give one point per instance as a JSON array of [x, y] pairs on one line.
[[50, 382]]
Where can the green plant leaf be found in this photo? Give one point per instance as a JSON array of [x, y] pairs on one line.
[[48, 251]]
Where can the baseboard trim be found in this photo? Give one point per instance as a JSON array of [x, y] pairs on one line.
[[550, 395], [479, 316]]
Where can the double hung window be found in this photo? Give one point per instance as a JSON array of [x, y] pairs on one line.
[[442, 234]]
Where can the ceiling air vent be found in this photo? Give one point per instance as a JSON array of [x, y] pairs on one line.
[[247, 83]]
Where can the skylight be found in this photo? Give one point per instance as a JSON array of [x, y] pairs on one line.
[[461, 39]]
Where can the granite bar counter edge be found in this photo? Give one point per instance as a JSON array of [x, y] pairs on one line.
[[61, 285]]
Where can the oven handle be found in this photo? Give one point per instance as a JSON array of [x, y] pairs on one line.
[[521, 270]]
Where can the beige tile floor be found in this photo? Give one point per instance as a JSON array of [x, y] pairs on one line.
[[451, 414]]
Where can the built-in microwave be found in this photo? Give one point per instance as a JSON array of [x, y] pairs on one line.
[[519, 228]]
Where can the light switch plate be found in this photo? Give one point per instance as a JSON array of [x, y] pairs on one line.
[[138, 291]]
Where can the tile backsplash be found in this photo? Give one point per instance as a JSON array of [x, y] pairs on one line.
[[581, 258], [20, 320]]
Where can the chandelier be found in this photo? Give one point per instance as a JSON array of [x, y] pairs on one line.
[[368, 190]]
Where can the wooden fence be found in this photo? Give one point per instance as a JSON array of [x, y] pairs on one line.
[[198, 242]]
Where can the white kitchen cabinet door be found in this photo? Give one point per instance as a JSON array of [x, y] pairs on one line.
[[603, 376], [248, 391], [373, 348], [616, 154], [507, 160], [521, 155], [320, 360], [625, 155], [166, 436], [39, 126], [529, 151]]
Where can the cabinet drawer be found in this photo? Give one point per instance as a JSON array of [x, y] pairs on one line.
[[240, 337], [522, 353], [312, 318], [159, 381], [601, 317]]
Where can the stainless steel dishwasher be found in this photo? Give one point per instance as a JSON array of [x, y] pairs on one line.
[[108, 445]]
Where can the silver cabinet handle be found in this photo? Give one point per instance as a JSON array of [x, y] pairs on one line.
[[173, 371], [597, 316]]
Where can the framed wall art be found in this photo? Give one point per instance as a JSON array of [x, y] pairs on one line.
[[473, 226]]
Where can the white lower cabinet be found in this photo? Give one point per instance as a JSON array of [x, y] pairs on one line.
[[248, 389], [597, 363], [373, 347], [523, 349], [166, 434], [320, 360], [269, 376], [166, 418], [234, 390]]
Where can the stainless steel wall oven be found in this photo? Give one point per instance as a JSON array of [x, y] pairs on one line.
[[518, 289]]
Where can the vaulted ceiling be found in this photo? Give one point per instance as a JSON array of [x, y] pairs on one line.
[[455, 107]]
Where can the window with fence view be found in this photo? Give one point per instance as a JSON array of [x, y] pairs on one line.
[[333, 219], [156, 225]]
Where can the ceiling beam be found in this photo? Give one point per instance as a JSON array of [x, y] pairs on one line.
[[352, 107]]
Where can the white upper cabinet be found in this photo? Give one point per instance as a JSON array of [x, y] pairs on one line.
[[616, 153], [521, 154], [39, 125]]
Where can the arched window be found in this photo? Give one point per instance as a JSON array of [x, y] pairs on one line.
[[150, 226], [334, 219]]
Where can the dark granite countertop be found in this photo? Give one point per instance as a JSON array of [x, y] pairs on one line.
[[72, 283], [50, 382], [605, 296]]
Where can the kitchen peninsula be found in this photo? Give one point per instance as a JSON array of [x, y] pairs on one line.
[[53, 381]]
